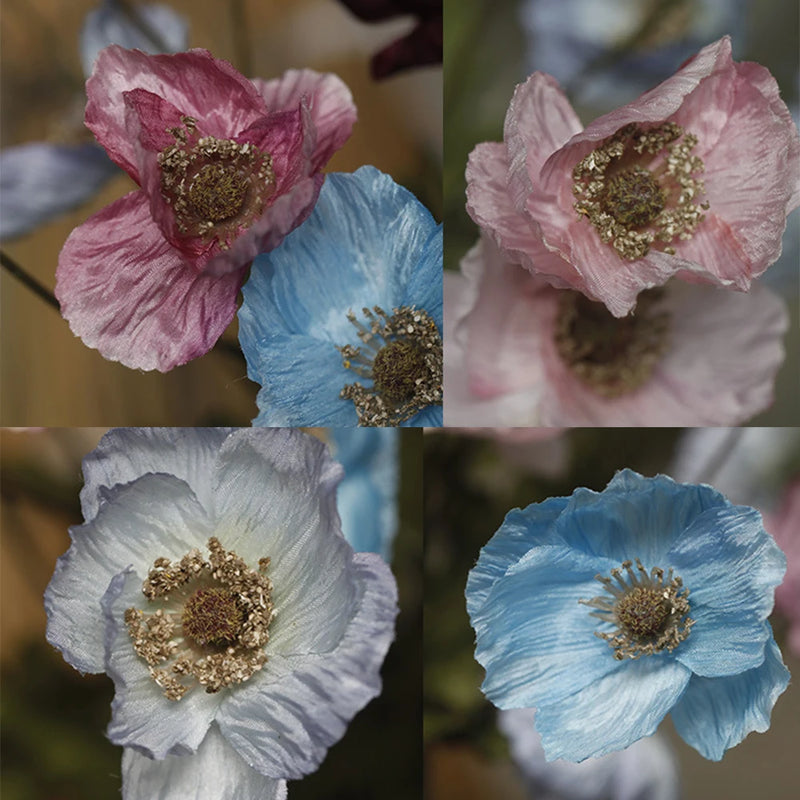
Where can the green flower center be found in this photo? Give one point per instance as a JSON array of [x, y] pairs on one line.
[[643, 612], [217, 192], [633, 197], [397, 368]]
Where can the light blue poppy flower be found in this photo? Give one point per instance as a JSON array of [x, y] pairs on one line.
[[367, 495], [213, 560], [677, 623], [368, 245], [41, 180]]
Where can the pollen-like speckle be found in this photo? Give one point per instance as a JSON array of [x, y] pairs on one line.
[[212, 616]]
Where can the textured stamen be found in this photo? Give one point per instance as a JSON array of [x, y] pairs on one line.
[[402, 356], [613, 356], [649, 611], [640, 188], [217, 191], [214, 635]]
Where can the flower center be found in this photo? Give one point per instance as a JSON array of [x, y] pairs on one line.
[[649, 611], [216, 187], [640, 188], [210, 622], [402, 356], [612, 356]]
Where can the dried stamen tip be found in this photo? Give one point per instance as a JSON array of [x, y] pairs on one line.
[[649, 611], [613, 356], [213, 621], [402, 356]]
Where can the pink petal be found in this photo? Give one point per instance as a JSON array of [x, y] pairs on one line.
[[128, 294], [329, 100], [197, 84]]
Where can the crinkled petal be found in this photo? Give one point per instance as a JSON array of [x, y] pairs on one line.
[[141, 715], [367, 495], [276, 498], [330, 102], [521, 530], [625, 705], [155, 513], [717, 713], [125, 454], [127, 293], [285, 718], [111, 24], [535, 640], [39, 181], [214, 772], [731, 567], [200, 86]]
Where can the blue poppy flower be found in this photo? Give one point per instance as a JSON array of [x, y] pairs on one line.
[[606, 611], [341, 325], [41, 180], [367, 496]]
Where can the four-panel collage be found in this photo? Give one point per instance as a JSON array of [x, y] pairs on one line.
[[398, 399]]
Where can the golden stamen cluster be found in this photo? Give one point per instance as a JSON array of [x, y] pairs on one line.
[[212, 623], [403, 359], [649, 611], [639, 188], [216, 187], [613, 356]]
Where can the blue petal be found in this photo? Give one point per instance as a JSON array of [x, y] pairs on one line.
[[368, 242], [367, 495], [521, 530], [534, 638], [731, 567], [111, 24], [717, 713], [613, 712], [39, 181], [634, 517], [214, 772]]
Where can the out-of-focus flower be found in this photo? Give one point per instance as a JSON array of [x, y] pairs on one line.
[[419, 48], [784, 525], [644, 771], [520, 352], [355, 293], [609, 50], [688, 581], [40, 180], [227, 167], [213, 560], [693, 179], [367, 496]]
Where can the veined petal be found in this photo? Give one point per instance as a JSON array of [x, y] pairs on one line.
[[200, 86], [717, 713], [730, 566], [156, 515], [39, 181], [125, 454], [330, 102], [110, 24], [531, 629], [128, 294], [141, 716], [276, 498], [304, 712], [215, 772], [625, 705]]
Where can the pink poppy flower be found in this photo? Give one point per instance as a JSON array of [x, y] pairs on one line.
[[519, 352], [784, 525], [227, 168], [693, 179]]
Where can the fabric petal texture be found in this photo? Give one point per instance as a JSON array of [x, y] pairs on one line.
[[608, 610], [384, 248], [261, 651]]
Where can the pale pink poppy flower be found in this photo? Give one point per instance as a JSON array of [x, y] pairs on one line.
[[227, 168], [519, 352], [784, 525], [693, 179]]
